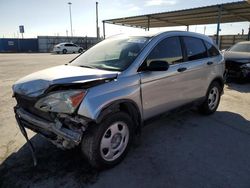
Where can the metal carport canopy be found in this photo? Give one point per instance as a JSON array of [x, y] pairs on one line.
[[215, 14]]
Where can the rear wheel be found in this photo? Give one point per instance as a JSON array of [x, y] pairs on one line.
[[80, 50], [107, 143], [212, 101]]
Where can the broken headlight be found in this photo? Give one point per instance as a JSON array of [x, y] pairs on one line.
[[245, 65], [62, 102]]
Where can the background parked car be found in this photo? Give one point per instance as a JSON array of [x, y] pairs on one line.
[[67, 48], [238, 61]]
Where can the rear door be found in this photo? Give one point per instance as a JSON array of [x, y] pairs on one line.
[[214, 65], [69, 47], [75, 48], [196, 69]]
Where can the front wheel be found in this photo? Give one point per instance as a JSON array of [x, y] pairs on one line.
[[107, 143], [64, 51], [212, 100]]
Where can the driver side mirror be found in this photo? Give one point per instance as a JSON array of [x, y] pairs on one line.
[[158, 66]]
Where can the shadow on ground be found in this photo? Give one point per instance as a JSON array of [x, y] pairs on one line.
[[180, 150], [55, 167], [243, 88]]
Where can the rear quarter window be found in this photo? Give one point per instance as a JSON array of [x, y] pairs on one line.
[[212, 50]]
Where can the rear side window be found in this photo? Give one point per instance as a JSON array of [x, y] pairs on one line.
[[168, 50], [212, 50], [195, 48]]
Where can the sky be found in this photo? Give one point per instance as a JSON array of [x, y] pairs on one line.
[[51, 17]]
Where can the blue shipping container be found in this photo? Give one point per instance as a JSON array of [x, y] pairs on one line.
[[18, 45]]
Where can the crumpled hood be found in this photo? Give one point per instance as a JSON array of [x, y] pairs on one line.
[[229, 55], [36, 83]]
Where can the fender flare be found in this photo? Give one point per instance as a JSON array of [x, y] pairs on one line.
[[220, 80], [126, 105]]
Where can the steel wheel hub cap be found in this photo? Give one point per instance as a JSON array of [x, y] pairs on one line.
[[114, 141], [213, 98]]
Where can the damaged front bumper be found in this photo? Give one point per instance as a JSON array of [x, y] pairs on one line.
[[245, 72], [242, 73], [56, 132]]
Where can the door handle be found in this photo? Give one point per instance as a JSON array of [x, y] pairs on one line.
[[182, 69], [210, 63]]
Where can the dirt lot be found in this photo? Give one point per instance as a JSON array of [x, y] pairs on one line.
[[181, 150]]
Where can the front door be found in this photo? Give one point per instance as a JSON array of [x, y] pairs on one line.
[[161, 90]]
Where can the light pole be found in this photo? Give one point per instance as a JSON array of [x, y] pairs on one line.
[[97, 26], [69, 3]]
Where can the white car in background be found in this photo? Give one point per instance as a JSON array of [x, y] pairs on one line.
[[67, 48]]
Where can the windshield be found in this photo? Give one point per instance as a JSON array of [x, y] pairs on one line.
[[241, 47], [114, 54]]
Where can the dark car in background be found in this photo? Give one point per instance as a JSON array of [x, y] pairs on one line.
[[237, 60]]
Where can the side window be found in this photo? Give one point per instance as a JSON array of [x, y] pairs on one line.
[[212, 50], [69, 45], [168, 50], [195, 48]]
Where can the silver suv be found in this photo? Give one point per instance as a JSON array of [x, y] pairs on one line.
[[101, 99]]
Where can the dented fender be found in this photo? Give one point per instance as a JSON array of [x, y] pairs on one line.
[[101, 96]]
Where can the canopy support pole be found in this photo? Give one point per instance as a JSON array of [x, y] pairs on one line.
[[148, 22], [103, 26], [218, 24], [248, 35], [187, 27]]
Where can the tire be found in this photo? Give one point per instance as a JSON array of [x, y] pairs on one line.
[[106, 144], [64, 51], [80, 50], [225, 76], [212, 100]]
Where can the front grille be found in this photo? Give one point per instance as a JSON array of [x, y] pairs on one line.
[[28, 104]]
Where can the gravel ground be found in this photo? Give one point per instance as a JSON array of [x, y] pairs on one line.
[[179, 150]]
